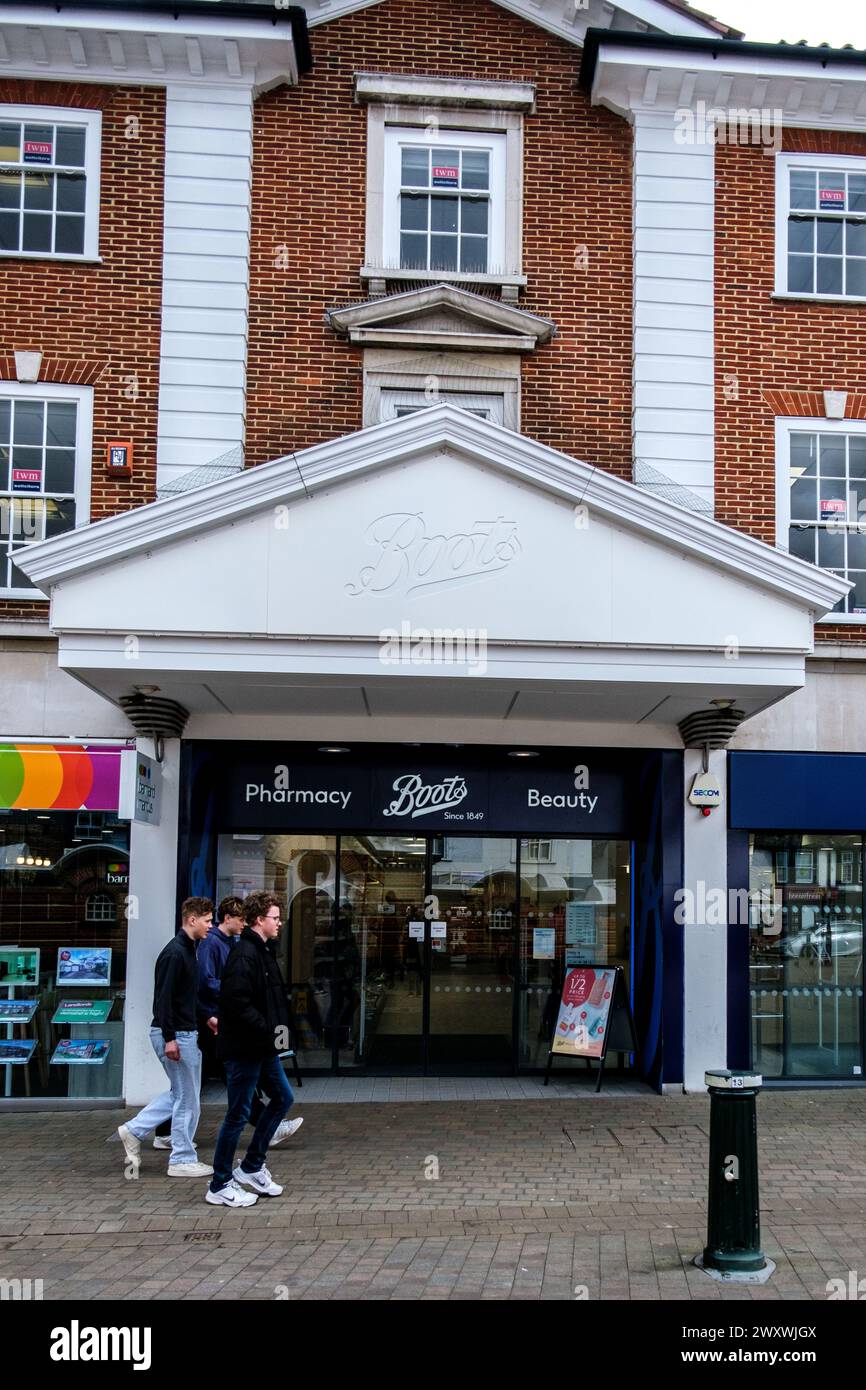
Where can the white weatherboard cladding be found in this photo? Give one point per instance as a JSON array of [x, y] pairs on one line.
[[206, 275], [673, 303], [548, 581]]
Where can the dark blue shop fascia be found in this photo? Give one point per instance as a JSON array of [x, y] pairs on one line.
[[797, 791], [636, 794]]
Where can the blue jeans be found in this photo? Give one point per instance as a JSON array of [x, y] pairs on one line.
[[242, 1078], [181, 1102]]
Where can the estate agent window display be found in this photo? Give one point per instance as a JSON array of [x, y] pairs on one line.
[[62, 965]]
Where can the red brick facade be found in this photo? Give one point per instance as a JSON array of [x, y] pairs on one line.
[[100, 324], [304, 385], [774, 357]]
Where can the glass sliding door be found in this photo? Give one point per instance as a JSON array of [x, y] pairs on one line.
[[471, 1024], [379, 956]]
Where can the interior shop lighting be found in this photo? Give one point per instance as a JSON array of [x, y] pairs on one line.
[[333, 748], [522, 753]]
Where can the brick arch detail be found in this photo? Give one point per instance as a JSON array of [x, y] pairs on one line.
[[810, 404], [55, 370]]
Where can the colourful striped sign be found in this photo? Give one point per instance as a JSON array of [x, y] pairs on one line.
[[59, 777]]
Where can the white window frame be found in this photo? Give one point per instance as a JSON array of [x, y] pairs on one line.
[[540, 843], [398, 401], [785, 427], [490, 142], [495, 374], [101, 901], [92, 121], [83, 396], [445, 127], [784, 164]]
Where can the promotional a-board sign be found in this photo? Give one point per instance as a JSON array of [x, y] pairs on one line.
[[594, 1017]]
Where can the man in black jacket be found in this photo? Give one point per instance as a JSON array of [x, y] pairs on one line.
[[253, 1029], [173, 1035]]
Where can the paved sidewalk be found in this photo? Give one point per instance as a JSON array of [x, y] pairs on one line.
[[603, 1194]]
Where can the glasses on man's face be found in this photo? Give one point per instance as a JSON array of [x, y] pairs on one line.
[[271, 918]]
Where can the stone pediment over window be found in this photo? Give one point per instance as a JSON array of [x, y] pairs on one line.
[[441, 317]]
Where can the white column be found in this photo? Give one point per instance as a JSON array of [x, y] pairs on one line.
[[205, 294], [674, 199], [705, 876], [152, 924]]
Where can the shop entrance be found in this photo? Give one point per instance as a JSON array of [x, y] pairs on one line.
[[434, 955]]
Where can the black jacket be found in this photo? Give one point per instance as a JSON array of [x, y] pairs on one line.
[[175, 987], [253, 1003]]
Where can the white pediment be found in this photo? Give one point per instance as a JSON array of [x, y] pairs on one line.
[[301, 589], [441, 317], [443, 520], [569, 20]]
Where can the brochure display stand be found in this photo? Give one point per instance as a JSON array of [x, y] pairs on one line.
[[19, 968], [594, 1017]]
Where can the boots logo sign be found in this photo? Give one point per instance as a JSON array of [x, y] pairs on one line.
[[415, 797], [409, 558]]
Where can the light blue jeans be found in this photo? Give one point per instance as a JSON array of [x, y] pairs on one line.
[[181, 1102]]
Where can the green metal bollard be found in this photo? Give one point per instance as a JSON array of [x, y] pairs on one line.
[[733, 1250]]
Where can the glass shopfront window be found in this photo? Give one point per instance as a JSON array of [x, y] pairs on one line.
[[301, 871], [379, 958], [64, 881], [575, 909], [806, 955], [401, 951]]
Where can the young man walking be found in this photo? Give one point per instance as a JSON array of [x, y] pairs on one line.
[[174, 1039], [211, 958], [253, 1025]]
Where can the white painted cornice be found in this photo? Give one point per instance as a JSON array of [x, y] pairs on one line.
[[418, 90], [813, 93], [477, 323], [446, 429], [145, 48]]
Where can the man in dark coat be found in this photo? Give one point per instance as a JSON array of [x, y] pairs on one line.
[[253, 1029]]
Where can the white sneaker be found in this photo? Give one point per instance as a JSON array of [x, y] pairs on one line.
[[260, 1182], [231, 1196], [285, 1130], [131, 1145], [189, 1170], [161, 1141]]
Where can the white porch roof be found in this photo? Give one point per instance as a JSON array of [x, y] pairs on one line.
[[304, 595]]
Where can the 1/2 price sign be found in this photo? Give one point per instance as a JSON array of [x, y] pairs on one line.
[[584, 1010]]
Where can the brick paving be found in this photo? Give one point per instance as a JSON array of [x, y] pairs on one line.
[[533, 1201]]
